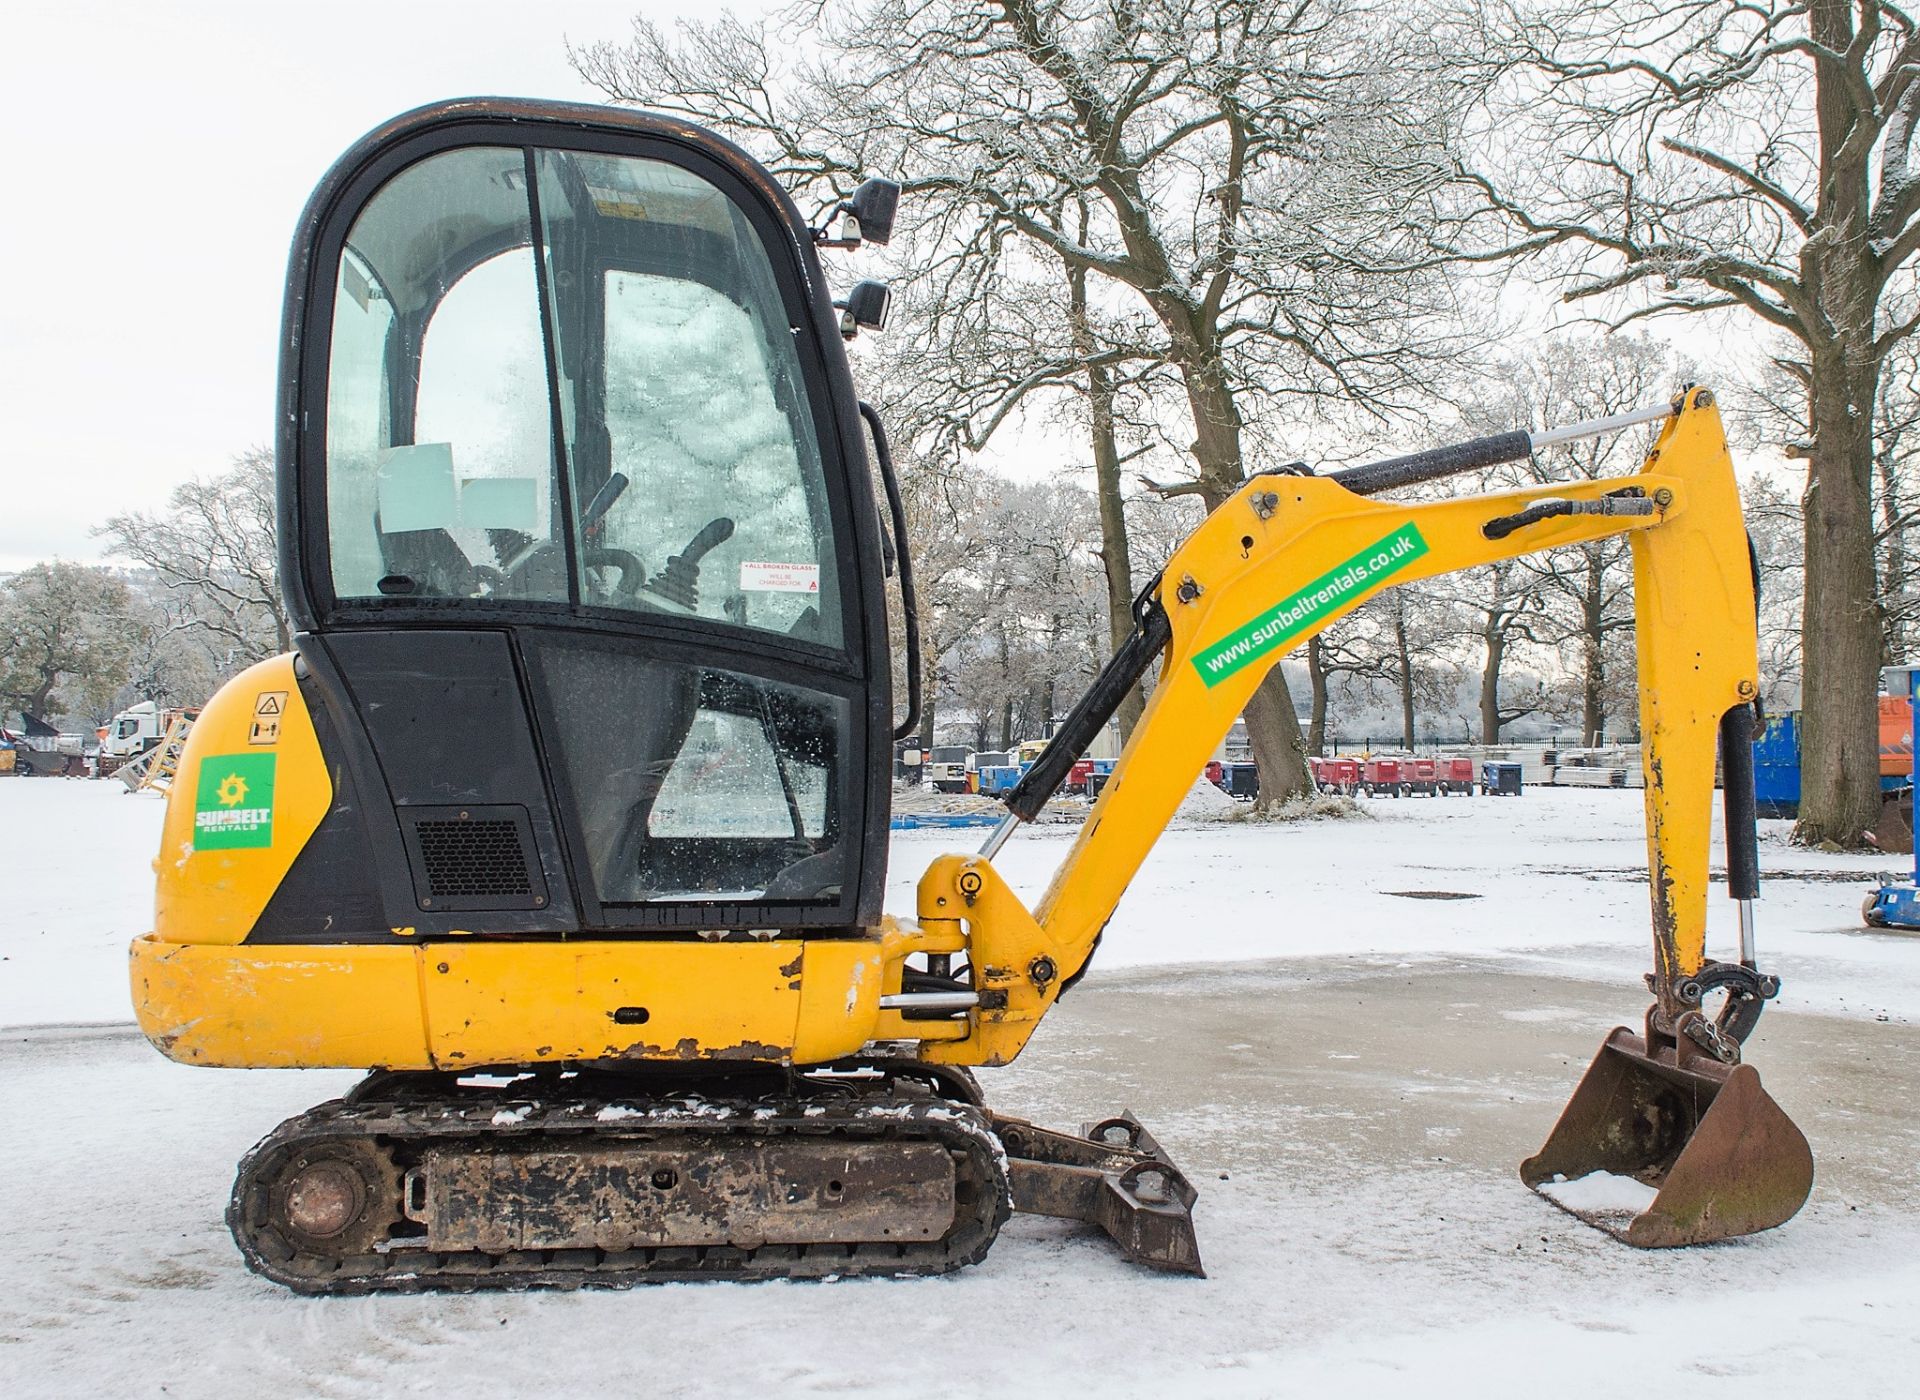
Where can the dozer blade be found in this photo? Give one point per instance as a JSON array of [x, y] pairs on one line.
[[1114, 1175], [1687, 1149]]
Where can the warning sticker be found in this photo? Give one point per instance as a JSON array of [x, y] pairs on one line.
[[233, 804], [268, 706], [761, 577]]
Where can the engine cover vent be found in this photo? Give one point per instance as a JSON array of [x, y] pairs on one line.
[[472, 858]]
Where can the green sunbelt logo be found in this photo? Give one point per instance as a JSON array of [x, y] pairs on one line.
[[1298, 613], [233, 805]]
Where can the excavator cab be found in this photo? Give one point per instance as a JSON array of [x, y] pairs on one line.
[[581, 538]]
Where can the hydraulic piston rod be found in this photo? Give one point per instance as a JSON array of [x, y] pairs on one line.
[[1415, 467]]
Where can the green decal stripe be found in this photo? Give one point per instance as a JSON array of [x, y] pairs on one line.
[[1301, 612]]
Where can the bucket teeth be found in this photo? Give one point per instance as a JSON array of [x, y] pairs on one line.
[[1720, 1157]]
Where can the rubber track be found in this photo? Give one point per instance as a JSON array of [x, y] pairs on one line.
[[982, 1198]]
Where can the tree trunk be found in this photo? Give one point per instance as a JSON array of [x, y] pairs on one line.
[[1405, 655], [1006, 724], [1278, 746], [1496, 643], [1892, 580], [1840, 633], [1116, 555], [1317, 680], [1273, 727], [928, 702], [929, 677]]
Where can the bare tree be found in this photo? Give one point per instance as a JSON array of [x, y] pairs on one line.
[[1497, 608], [1331, 654], [212, 550], [1399, 641], [1774, 526], [1753, 155], [1249, 173]]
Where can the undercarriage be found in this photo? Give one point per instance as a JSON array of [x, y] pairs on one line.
[[612, 1177]]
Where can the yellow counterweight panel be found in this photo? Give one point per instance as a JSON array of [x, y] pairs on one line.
[[279, 1006], [252, 788], [446, 1005]]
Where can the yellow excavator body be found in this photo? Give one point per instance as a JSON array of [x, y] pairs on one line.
[[584, 864]]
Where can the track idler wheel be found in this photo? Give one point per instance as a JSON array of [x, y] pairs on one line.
[[326, 1201], [1663, 1144]]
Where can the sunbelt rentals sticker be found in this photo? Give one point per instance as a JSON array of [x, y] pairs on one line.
[[233, 805], [1286, 621]]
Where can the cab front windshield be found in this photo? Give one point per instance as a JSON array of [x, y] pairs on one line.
[[567, 378]]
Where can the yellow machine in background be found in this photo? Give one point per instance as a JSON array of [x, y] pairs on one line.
[[576, 838]]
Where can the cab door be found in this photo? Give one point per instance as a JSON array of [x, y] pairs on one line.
[[578, 527]]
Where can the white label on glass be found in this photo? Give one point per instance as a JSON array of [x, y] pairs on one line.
[[760, 577]]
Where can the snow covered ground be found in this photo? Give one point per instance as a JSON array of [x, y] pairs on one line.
[[1348, 1076]]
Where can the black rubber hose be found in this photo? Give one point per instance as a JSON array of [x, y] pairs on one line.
[[1738, 730], [1151, 633], [1436, 462], [1743, 834], [910, 611]]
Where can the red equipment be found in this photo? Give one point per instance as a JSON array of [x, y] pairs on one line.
[[1383, 777], [1422, 776], [1341, 775]]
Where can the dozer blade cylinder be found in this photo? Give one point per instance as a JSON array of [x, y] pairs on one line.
[[1669, 1147]]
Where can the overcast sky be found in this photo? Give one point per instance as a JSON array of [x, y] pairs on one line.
[[162, 154]]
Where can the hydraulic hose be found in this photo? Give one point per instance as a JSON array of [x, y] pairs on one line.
[[1149, 637]]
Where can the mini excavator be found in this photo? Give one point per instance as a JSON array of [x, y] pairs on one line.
[[566, 817]]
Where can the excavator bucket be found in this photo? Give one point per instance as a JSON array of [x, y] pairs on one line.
[[1668, 1147]]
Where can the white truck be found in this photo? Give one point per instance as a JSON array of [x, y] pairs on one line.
[[132, 732]]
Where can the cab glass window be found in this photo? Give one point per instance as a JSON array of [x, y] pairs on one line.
[[440, 471], [695, 454], [697, 783], [610, 414]]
